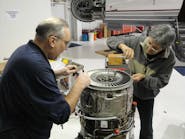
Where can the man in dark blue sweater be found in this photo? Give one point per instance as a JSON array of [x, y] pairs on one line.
[[30, 101], [151, 64]]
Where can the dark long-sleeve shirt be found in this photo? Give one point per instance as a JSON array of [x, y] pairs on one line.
[[157, 69], [29, 96]]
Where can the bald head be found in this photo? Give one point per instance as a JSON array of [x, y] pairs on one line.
[[52, 36], [51, 26]]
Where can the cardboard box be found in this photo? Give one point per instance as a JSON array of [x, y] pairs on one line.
[[115, 59]]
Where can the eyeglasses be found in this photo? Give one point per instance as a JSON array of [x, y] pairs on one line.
[[65, 42], [155, 50], [154, 47]]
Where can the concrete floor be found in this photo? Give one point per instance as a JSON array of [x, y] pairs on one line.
[[169, 113]]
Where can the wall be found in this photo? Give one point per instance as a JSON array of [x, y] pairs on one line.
[[18, 20], [91, 25], [63, 10]]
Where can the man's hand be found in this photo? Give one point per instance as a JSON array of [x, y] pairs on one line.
[[67, 70], [127, 51], [83, 80], [138, 77], [70, 69]]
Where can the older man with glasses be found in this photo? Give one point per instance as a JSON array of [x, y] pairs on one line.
[[151, 64], [30, 100]]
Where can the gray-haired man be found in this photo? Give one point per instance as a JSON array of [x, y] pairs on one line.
[[30, 100], [151, 64]]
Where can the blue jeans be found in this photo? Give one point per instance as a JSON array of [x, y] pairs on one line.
[[145, 109]]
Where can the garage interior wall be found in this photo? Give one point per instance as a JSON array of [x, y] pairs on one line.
[[18, 20]]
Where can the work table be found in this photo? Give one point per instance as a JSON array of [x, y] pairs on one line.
[[86, 50]]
